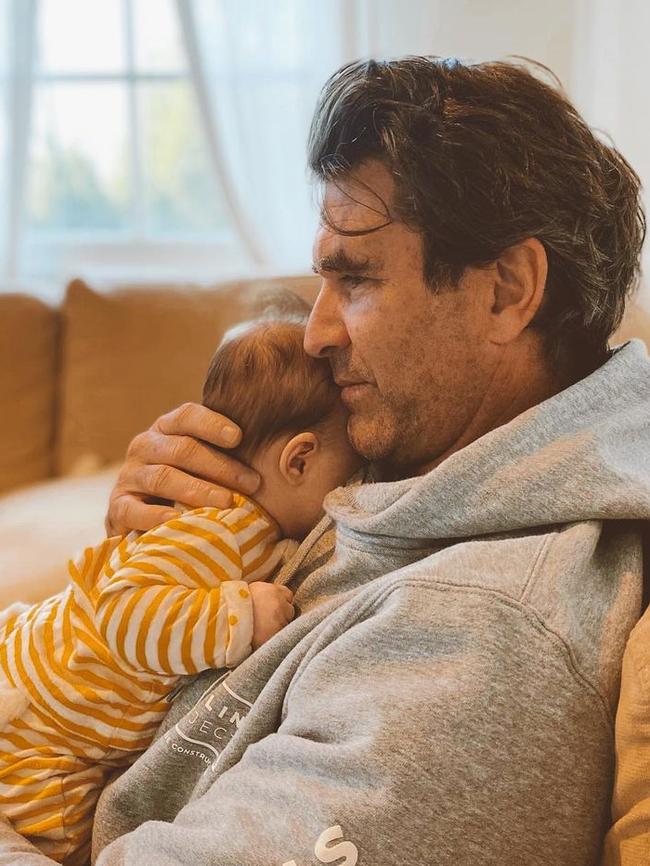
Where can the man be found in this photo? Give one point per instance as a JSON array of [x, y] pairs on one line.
[[447, 693]]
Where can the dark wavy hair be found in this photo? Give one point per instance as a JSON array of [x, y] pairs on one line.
[[485, 155]]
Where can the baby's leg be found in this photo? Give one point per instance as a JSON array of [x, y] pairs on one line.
[[48, 793], [13, 702]]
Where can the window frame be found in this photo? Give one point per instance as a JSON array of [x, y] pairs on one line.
[[135, 252]]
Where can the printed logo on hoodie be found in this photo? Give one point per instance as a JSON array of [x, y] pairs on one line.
[[203, 733]]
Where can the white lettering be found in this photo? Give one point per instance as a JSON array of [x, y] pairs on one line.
[[326, 854], [190, 753], [236, 716]]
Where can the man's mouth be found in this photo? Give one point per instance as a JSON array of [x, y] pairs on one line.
[[351, 391], [346, 383]]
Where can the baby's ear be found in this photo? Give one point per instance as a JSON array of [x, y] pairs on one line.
[[298, 457]]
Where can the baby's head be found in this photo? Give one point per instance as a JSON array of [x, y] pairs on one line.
[[289, 409]]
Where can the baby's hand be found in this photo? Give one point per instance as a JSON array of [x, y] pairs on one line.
[[272, 610]]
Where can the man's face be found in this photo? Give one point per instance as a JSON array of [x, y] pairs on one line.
[[414, 364]]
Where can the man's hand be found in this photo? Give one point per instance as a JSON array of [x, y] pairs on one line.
[[272, 610], [174, 460]]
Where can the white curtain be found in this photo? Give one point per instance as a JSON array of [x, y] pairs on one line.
[[258, 68], [5, 169], [612, 83], [17, 19]]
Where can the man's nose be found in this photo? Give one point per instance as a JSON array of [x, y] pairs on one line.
[[325, 331]]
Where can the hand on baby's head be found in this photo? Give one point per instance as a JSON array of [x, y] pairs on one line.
[[272, 610]]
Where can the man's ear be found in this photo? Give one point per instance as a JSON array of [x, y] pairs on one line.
[[297, 457], [519, 283]]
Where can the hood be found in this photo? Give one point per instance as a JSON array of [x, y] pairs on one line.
[[583, 454]]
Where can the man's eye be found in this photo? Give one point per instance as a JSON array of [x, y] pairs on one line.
[[350, 281]]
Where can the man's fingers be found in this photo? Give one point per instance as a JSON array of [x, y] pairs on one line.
[[289, 611], [167, 482], [192, 419], [194, 457], [285, 591], [175, 460], [130, 511]]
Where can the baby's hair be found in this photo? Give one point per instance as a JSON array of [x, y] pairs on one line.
[[261, 378]]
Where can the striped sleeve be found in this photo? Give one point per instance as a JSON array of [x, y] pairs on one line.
[[175, 603]]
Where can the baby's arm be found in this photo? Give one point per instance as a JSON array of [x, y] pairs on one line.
[[177, 604], [15, 850]]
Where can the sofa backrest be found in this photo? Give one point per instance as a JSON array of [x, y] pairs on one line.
[[29, 331]]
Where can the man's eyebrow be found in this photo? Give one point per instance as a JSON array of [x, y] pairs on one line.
[[342, 262]]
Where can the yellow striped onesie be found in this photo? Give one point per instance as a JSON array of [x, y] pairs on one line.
[[92, 666]]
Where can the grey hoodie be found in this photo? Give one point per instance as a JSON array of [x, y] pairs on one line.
[[446, 695]]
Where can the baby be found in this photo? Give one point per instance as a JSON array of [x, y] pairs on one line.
[[88, 671]]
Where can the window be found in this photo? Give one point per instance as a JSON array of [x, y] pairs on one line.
[[117, 167]]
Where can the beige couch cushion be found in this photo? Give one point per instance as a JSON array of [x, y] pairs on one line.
[[130, 355], [28, 371], [42, 527]]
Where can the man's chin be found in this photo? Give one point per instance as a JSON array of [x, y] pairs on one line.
[[370, 439]]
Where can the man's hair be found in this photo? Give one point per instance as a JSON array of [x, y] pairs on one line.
[[261, 378], [484, 156]]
